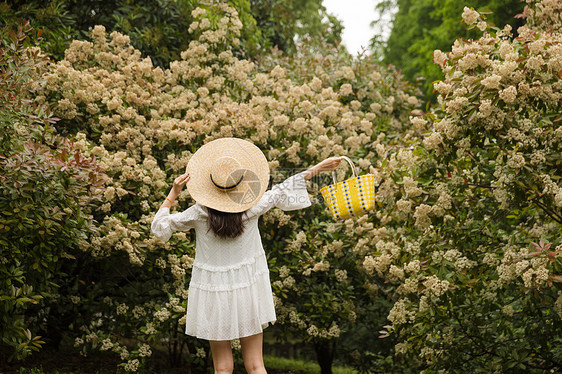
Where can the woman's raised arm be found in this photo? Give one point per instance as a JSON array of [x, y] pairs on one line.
[[326, 165]]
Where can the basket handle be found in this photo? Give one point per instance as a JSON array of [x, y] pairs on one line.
[[352, 168]]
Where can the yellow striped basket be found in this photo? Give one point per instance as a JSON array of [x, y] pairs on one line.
[[351, 197]]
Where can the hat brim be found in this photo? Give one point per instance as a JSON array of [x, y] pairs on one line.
[[240, 198]]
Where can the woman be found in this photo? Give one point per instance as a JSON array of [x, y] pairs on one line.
[[230, 294]]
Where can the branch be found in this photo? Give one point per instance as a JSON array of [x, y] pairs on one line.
[[549, 212]]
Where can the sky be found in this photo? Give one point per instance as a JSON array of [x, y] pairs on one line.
[[356, 16]]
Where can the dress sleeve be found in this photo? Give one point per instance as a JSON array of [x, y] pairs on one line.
[[291, 194], [165, 224]]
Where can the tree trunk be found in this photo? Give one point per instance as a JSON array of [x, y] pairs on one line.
[[325, 354]]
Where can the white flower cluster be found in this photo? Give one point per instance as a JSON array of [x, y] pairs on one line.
[[144, 350], [434, 286], [399, 314], [470, 16], [162, 314], [132, 365], [333, 332]]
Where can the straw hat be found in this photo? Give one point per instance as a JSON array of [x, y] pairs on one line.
[[228, 174]]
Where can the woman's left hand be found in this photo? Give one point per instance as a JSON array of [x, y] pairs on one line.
[[329, 164], [326, 165]]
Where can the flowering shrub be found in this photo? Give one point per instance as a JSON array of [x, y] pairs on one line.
[[474, 250], [465, 240], [47, 190], [142, 124], [324, 261]]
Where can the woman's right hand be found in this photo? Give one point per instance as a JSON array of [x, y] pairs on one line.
[[180, 182]]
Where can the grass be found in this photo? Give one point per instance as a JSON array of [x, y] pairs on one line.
[[67, 361], [274, 365], [294, 366], [39, 370]]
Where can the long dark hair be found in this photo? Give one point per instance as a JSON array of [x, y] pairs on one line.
[[225, 225]]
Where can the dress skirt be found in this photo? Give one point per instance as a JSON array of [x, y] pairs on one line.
[[226, 304]]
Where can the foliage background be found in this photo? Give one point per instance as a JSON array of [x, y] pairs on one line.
[[159, 29], [47, 194], [457, 269], [420, 27]]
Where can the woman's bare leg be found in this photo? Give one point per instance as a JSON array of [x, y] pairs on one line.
[[252, 353], [222, 356]]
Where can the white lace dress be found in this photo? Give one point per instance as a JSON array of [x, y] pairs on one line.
[[230, 292]]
